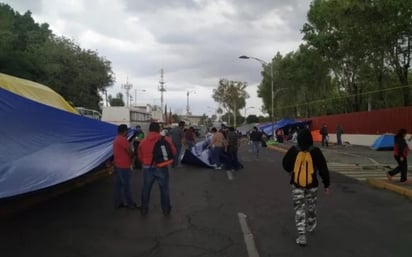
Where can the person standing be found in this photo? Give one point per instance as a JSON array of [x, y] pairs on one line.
[[122, 158], [189, 135], [151, 173], [232, 150], [177, 135], [218, 147], [139, 135], [325, 135], [305, 197], [256, 138], [339, 132], [400, 153]]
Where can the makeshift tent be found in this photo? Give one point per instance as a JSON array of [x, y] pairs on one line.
[[282, 124], [199, 155], [35, 91], [42, 146], [384, 142]]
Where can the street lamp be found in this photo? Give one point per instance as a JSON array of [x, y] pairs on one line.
[[271, 78], [250, 107]]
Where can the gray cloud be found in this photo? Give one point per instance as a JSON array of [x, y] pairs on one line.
[[197, 42]]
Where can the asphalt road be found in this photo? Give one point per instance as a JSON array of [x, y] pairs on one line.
[[354, 219]]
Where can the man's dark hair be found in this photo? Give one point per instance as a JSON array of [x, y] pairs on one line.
[[121, 128], [181, 123], [154, 127]]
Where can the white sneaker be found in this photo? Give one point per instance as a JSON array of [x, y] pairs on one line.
[[301, 240], [218, 168]]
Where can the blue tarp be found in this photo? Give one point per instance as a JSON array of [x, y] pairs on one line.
[[384, 142], [41, 146], [281, 124], [199, 155]]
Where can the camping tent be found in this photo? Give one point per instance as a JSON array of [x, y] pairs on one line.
[[384, 142]]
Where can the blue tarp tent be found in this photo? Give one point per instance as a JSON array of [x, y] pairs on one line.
[[42, 146], [281, 124], [384, 142], [199, 155]]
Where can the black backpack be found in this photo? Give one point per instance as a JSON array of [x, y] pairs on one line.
[[162, 153]]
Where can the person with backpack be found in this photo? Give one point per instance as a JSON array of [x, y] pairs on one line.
[[156, 152], [304, 162], [256, 138]]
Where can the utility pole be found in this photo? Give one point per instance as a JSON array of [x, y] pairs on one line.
[[127, 86], [162, 89]]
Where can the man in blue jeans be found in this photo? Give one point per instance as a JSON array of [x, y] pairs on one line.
[[122, 158], [151, 173]]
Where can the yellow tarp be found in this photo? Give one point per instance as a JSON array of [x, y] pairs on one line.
[[35, 91]]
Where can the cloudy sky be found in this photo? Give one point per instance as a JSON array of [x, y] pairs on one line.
[[196, 42]]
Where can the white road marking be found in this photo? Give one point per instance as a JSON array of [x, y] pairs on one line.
[[229, 175], [248, 236]]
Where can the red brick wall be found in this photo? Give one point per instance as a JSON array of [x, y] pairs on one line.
[[373, 122]]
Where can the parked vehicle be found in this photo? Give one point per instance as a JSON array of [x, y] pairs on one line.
[[130, 116]]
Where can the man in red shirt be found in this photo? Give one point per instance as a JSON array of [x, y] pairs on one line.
[[122, 158], [151, 173]]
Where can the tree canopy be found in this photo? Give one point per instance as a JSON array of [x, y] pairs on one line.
[[355, 56], [30, 50]]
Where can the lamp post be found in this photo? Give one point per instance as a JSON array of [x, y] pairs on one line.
[[251, 107], [271, 78]]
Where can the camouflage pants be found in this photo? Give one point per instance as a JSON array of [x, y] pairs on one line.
[[304, 203]]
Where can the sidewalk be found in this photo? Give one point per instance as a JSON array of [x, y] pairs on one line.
[[362, 160]]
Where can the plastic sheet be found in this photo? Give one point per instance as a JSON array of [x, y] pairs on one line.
[[41, 146]]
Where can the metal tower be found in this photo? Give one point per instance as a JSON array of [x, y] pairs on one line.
[[127, 87], [162, 89]]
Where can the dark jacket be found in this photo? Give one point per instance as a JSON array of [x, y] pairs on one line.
[[305, 142], [401, 148], [256, 136]]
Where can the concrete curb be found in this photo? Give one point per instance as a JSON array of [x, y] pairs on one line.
[[377, 183], [277, 148], [381, 184]]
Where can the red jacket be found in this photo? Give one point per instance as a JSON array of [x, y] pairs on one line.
[[145, 150]]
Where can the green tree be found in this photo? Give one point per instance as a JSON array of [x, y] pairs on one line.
[[232, 96], [117, 101], [31, 51]]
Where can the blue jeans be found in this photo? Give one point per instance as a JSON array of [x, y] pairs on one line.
[[217, 155], [232, 161], [150, 174], [256, 146], [176, 158], [122, 191]]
